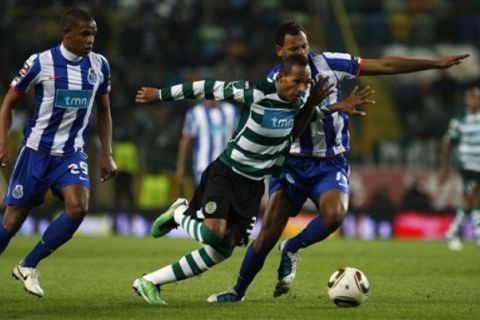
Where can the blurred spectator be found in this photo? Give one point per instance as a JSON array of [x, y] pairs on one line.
[[382, 211], [416, 199]]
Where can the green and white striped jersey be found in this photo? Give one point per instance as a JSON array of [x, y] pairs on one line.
[[464, 131], [262, 139]]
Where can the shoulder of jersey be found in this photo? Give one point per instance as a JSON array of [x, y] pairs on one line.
[[265, 86]]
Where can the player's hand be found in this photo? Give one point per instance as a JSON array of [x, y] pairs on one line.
[[108, 168], [447, 62], [147, 95], [355, 99], [320, 90], [4, 155]]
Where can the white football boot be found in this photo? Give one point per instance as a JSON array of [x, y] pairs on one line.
[[227, 296], [287, 270], [29, 277], [454, 244]]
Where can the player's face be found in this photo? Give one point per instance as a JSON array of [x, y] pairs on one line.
[[472, 99], [293, 44], [294, 85], [80, 38]]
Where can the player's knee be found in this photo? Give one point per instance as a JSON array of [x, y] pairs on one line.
[[13, 219], [77, 210], [211, 236], [12, 225], [219, 230], [224, 249], [334, 215]]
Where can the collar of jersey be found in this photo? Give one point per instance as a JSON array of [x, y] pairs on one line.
[[70, 56]]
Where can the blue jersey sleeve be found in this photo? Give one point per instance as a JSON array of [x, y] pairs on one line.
[[272, 75], [344, 65], [104, 87], [28, 75]]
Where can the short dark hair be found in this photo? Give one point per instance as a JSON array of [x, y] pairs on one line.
[[284, 28], [73, 17], [290, 61]]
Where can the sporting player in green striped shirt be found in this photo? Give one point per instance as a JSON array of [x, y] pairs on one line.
[[464, 134], [225, 205]]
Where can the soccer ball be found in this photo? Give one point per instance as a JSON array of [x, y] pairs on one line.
[[348, 287]]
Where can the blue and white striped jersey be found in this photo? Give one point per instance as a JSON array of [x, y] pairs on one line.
[[327, 134], [65, 89], [210, 128]]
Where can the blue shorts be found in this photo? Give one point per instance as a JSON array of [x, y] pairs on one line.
[[303, 178], [35, 172]]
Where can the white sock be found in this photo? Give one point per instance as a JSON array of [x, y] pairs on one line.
[[178, 214], [161, 276]]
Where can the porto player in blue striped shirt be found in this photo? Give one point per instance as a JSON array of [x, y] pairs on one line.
[[66, 81]]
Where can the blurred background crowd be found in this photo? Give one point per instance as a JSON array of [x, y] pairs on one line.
[[395, 149]]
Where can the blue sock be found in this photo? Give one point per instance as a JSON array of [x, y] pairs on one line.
[[314, 232], [5, 237], [60, 231], [251, 265]]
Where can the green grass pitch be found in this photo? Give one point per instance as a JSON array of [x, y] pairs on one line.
[[90, 278]]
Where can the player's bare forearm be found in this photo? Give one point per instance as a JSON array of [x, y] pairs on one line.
[[445, 152], [108, 168], [396, 65], [6, 115], [5, 122], [184, 148], [104, 124]]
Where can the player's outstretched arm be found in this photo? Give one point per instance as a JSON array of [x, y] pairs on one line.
[[396, 65], [355, 99], [197, 90]]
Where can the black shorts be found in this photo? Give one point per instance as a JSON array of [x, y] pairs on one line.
[[470, 181], [224, 194]]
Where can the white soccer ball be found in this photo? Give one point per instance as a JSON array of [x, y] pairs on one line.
[[348, 287]]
